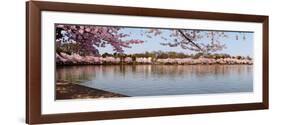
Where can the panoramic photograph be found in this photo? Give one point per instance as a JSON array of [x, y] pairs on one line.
[[94, 61]]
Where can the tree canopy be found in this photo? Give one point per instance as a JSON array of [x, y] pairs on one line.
[[85, 39]]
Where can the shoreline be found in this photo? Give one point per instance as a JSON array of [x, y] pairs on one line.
[[75, 59], [66, 90], [85, 64]]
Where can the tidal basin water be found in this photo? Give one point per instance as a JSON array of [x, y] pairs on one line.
[[155, 80]]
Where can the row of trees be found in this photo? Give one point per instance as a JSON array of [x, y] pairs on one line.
[[172, 55], [75, 59]]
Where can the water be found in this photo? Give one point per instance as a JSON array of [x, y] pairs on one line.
[[154, 80]]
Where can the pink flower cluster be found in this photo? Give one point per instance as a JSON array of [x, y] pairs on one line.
[[203, 60]]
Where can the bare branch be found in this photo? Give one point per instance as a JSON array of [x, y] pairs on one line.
[[189, 40]]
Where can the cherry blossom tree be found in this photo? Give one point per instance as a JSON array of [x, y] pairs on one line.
[[85, 39], [190, 39]]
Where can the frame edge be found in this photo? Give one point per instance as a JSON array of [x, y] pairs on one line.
[[266, 62], [27, 62], [33, 63]]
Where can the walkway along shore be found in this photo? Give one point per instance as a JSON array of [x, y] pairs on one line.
[[75, 91]]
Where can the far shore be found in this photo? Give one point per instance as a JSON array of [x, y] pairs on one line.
[[89, 64], [75, 59]]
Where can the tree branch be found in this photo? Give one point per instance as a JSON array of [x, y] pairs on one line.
[[189, 40]]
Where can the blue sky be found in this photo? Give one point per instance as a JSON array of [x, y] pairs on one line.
[[241, 47]]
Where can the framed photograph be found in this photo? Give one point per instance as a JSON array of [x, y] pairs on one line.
[[94, 62]]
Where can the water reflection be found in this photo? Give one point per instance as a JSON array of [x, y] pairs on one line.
[[141, 80]]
